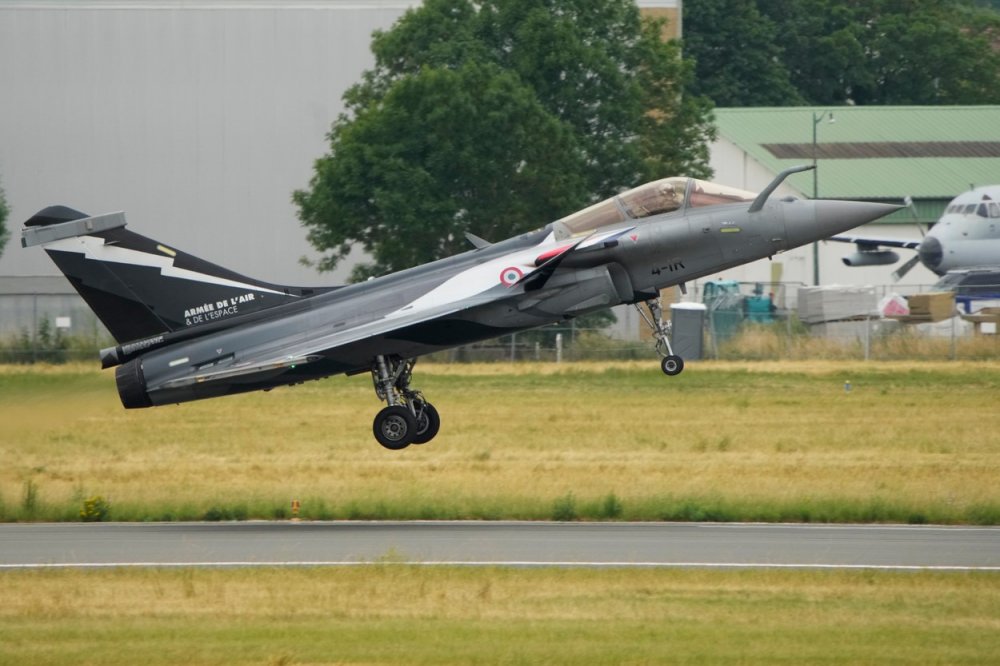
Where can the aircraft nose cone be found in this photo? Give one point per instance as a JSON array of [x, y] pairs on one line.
[[930, 252], [835, 217], [831, 217]]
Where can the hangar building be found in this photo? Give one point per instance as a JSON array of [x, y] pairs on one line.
[[872, 153]]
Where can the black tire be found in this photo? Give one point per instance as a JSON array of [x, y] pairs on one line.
[[428, 424], [394, 427], [672, 365]]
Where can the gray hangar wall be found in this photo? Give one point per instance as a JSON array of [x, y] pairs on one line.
[[198, 119]]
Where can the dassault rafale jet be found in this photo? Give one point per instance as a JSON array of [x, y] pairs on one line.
[[187, 329]]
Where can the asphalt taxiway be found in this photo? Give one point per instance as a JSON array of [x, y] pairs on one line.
[[499, 543]]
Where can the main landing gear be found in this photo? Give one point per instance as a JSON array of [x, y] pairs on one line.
[[408, 418], [670, 363]]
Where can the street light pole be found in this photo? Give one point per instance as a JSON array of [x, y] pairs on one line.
[[817, 119]]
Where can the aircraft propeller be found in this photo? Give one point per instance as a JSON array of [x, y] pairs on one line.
[[901, 272]]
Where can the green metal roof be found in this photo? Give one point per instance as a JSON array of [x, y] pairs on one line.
[[874, 152]]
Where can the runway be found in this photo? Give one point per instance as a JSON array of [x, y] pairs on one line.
[[499, 543]]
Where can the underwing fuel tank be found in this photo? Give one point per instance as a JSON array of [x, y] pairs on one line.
[[871, 258]]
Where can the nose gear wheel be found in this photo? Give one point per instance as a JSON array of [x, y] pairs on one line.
[[670, 363]]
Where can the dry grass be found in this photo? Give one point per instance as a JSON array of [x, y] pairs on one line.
[[774, 342], [401, 614], [725, 440]]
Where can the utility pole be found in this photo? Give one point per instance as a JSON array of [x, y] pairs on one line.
[[817, 119]]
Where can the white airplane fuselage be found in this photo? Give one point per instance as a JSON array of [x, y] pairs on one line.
[[967, 235]]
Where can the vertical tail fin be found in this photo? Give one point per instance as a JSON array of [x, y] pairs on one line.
[[139, 287]]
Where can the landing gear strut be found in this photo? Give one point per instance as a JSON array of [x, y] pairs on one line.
[[670, 363], [408, 418]]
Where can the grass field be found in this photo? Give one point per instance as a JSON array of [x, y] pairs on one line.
[[727, 441], [387, 614], [910, 442]]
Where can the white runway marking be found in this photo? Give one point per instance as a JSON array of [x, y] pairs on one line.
[[500, 563]]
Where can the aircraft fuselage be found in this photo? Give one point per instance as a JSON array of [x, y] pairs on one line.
[[664, 251]]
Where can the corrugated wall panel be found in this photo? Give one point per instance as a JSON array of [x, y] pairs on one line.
[[197, 120]]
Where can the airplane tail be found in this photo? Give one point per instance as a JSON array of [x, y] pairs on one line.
[[139, 287]]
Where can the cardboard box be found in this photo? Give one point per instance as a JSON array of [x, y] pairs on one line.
[[932, 306]]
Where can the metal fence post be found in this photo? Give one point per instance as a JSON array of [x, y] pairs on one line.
[[34, 328], [954, 342], [868, 337]]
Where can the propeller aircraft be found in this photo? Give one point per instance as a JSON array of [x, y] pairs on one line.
[[967, 236]]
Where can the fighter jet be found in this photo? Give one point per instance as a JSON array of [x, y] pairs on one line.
[[187, 329]]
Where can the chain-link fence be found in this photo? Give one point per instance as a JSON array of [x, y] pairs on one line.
[[754, 321], [738, 321], [48, 327], [783, 337], [47, 343]]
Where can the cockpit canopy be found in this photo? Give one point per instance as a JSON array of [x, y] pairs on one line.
[[985, 208], [660, 196]]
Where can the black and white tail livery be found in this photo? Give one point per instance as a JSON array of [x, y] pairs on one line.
[[140, 288]]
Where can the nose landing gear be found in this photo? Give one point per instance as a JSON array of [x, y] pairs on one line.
[[408, 418], [670, 363]]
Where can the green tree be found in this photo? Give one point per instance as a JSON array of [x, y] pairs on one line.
[[497, 117], [932, 52], [737, 54], [821, 48], [889, 51], [760, 53], [676, 127], [4, 210], [444, 151]]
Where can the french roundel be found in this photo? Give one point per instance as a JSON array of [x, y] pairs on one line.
[[510, 276]]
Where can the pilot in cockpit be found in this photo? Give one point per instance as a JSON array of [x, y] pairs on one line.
[[667, 199], [662, 197]]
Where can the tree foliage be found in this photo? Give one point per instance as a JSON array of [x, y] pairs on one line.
[[835, 52], [497, 117], [737, 54]]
